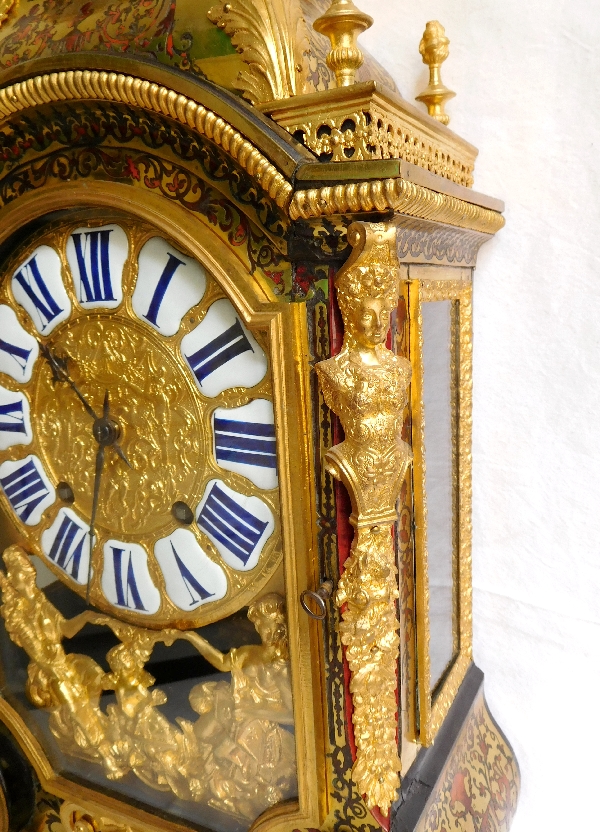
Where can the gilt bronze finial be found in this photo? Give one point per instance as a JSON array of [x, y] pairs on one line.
[[343, 23], [434, 49]]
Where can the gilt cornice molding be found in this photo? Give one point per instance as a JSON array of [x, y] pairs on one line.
[[398, 195]]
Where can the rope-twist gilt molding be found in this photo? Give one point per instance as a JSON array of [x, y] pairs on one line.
[[397, 194], [86, 85]]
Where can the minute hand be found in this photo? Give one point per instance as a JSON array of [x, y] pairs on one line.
[[106, 433], [97, 478], [60, 373]]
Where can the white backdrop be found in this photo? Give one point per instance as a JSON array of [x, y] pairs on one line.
[[526, 74]]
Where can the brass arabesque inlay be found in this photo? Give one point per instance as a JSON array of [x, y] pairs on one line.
[[161, 422], [91, 85]]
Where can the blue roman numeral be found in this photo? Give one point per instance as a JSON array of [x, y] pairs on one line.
[[173, 263], [67, 548], [126, 585], [96, 286], [20, 355], [190, 581], [15, 422], [233, 526], [31, 281], [219, 351], [248, 443], [25, 489]]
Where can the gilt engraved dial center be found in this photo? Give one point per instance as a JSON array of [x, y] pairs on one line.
[[153, 416]]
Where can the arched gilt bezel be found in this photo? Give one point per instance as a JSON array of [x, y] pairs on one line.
[[55, 411]]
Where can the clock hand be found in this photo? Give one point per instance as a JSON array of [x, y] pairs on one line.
[[60, 373], [106, 433], [107, 422], [97, 477]]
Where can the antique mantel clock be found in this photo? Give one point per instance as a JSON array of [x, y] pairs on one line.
[[235, 410]]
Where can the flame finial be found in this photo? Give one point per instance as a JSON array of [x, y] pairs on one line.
[[343, 23], [434, 49]]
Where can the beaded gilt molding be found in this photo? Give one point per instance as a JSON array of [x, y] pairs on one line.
[[112, 86]]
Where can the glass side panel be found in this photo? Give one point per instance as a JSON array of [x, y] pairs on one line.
[[439, 416]]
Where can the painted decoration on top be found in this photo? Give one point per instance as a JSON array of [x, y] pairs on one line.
[[15, 421], [222, 353], [126, 580], [169, 284], [27, 488], [96, 258], [239, 526], [244, 441], [38, 287], [191, 577]]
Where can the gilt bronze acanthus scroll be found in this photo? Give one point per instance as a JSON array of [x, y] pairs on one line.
[[366, 386]]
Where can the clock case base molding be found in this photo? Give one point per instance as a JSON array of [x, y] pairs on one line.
[[468, 779]]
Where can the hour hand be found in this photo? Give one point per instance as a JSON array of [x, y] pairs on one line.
[[107, 431], [60, 372]]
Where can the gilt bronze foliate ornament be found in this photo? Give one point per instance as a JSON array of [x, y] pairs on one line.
[[366, 386]]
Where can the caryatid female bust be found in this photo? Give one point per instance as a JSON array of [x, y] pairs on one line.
[[366, 387]]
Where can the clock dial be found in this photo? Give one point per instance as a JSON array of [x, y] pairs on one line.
[[186, 528], [126, 579], [191, 577], [172, 285], [65, 543], [38, 287], [27, 488], [222, 353], [239, 526], [96, 258], [244, 441], [15, 422], [18, 349]]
